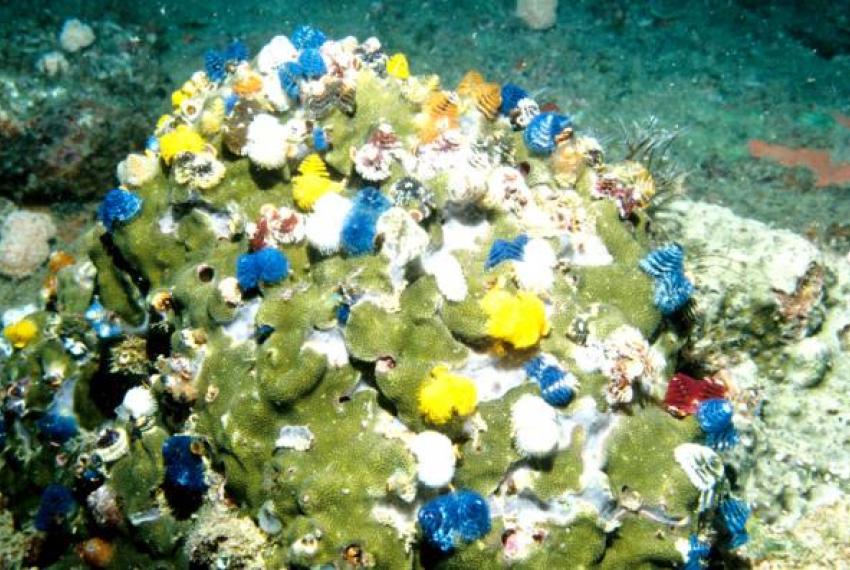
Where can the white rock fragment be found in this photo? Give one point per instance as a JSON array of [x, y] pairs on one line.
[[296, 438], [268, 519], [230, 292], [435, 458], [52, 63], [75, 35], [537, 14]]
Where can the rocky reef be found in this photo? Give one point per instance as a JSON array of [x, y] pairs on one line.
[[775, 318], [341, 315]]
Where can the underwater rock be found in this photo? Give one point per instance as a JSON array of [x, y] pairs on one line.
[[537, 14], [386, 333], [25, 242], [773, 312], [75, 35]]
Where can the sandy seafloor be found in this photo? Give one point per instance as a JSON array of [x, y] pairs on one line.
[[724, 73]]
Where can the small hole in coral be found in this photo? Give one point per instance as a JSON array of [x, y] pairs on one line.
[[205, 273], [353, 554], [525, 168]]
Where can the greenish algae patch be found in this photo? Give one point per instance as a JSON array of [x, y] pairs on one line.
[[640, 460], [641, 545]]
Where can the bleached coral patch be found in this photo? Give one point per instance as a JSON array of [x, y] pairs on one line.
[[448, 272]]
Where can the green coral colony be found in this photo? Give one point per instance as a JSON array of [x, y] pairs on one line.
[[338, 315]]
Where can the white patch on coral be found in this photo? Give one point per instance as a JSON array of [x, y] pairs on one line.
[[330, 344], [324, 226], [16, 314], [597, 427], [167, 224], [493, 379], [435, 458], [242, 327], [447, 271], [219, 223], [266, 144], [403, 239], [296, 438], [404, 523], [594, 498], [585, 249], [458, 236]]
